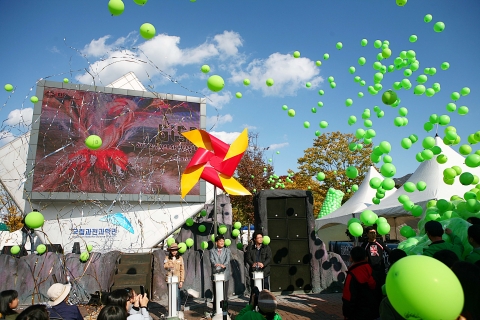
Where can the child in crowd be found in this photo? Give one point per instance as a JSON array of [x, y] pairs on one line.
[[8, 303]]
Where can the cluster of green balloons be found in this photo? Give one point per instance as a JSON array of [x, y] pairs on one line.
[[333, 201], [236, 229], [368, 218], [407, 143], [116, 8]]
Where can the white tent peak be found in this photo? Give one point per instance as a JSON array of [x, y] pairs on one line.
[[128, 81], [361, 199]]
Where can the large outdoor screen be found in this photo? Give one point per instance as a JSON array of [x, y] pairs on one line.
[[142, 155]]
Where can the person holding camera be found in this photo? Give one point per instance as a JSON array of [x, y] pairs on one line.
[[262, 306], [258, 258]]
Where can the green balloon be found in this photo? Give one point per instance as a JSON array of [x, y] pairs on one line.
[[389, 97], [189, 222], [428, 142], [383, 228], [84, 256], [203, 213], [246, 82], [228, 242], [428, 18], [406, 143], [355, 187], [421, 185], [269, 82], [445, 66], [89, 247], [431, 291], [463, 110], [419, 89], [170, 241], [189, 242], [465, 91], [204, 245], [140, 2], [34, 99], [320, 176], [182, 247], [388, 184], [238, 95], [296, 54], [291, 113], [116, 7], [455, 96], [266, 240], [93, 142], [385, 147], [368, 217], [388, 170], [386, 53], [147, 31], [318, 63], [235, 233], [409, 187], [355, 229], [362, 61], [326, 56], [202, 228], [351, 70], [465, 149], [439, 26], [15, 250], [413, 38], [237, 225], [306, 124], [417, 211], [205, 68], [466, 178], [443, 120], [41, 249], [34, 220], [472, 160], [351, 172], [8, 87], [375, 183], [215, 83], [359, 133], [323, 124], [364, 42]]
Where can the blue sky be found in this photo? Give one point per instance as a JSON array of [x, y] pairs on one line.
[[253, 39]]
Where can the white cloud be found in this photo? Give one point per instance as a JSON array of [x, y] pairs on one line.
[[54, 49], [217, 121], [227, 137], [249, 127], [6, 137], [276, 146], [19, 116], [218, 100], [289, 74], [160, 54], [228, 42]]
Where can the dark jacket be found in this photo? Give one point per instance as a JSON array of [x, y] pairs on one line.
[[375, 251], [65, 311], [359, 299], [263, 255]]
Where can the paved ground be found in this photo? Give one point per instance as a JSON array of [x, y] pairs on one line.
[[297, 306]]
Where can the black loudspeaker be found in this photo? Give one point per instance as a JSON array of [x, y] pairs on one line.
[[279, 278], [277, 229], [55, 248], [295, 208], [301, 277], [297, 229], [276, 208], [298, 252], [280, 252]]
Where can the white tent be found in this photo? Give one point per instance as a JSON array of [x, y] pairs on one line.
[[431, 172], [359, 201]]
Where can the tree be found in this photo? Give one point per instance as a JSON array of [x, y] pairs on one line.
[[331, 155], [253, 173]]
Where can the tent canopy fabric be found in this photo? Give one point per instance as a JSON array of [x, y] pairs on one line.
[[431, 172], [361, 199]]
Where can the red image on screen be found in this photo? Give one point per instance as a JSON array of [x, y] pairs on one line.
[[142, 151]]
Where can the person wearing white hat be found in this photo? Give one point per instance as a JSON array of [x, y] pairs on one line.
[[58, 295]]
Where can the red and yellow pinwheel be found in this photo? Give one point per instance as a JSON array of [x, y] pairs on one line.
[[215, 162]]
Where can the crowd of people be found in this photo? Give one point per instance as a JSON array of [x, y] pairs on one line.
[[363, 294]]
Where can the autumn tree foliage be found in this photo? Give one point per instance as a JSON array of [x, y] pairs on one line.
[[301, 181], [252, 172], [331, 155]]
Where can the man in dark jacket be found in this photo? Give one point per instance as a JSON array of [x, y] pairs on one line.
[[258, 258], [359, 298], [374, 249]]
